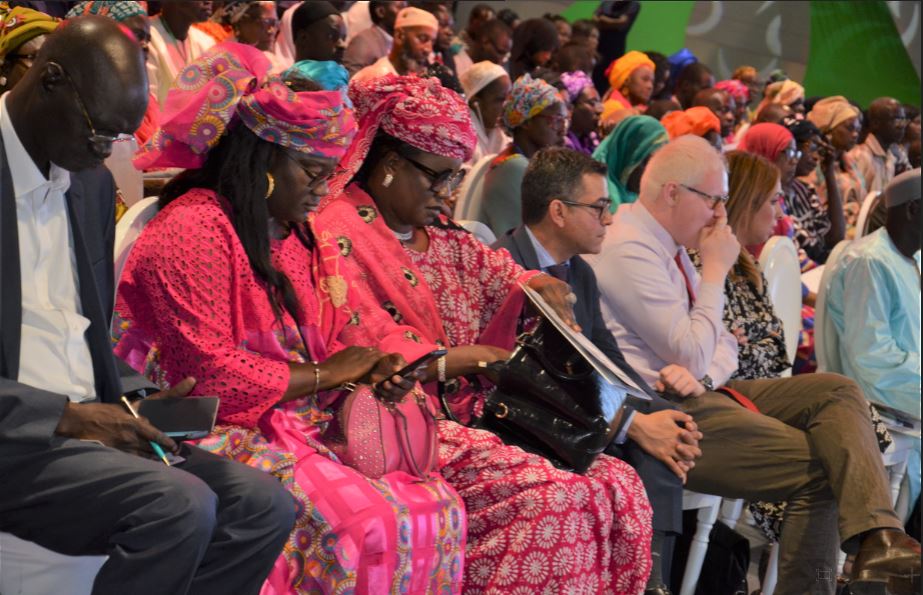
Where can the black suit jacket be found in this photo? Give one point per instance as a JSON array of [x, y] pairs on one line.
[[587, 311], [29, 415]]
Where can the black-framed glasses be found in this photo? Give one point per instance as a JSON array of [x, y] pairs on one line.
[[101, 143], [601, 210], [440, 181], [315, 180], [714, 198]]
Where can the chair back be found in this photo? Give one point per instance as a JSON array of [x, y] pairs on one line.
[[129, 228], [779, 263], [468, 205], [26, 567], [826, 340], [480, 230], [865, 211]]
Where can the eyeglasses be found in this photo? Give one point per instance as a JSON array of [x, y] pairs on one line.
[[101, 143], [714, 198], [791, 153], [601, 210], [444, 182], [315, 180]]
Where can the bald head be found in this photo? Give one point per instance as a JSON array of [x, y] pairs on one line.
[[887, 121], [88, 83]]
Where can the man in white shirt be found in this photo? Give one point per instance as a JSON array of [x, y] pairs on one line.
[[805, 440], [414, 33], [175, 43], [72, 478], [374, 42]]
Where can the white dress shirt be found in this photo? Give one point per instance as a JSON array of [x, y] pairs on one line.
[[645, 304], [168, 56], [54, 354]]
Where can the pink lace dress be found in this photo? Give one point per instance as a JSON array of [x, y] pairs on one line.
[[190, 305], [532, 528]]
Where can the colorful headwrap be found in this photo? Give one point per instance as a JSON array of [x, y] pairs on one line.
[[528, 98], [830, 112], [697, 121], [632, 141], [766, 139], [742, 72], [736, 89], [330, 75], [619, 71], [419, 111], [228, 83], [575, 82], [19, 25], [116, 10], [784, 93]]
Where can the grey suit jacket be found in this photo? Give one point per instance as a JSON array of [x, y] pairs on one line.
[[29, 416]]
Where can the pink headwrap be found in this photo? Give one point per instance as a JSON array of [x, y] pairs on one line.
[[419, 111], [766, 139], [228, 84], [736, 89]]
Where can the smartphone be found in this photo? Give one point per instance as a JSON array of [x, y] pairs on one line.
[[420, 362], [181, 418]]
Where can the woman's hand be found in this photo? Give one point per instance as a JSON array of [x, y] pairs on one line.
[[353, 364], [558, 295], [389, 386]]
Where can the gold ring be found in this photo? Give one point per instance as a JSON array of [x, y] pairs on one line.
[[503, 411]]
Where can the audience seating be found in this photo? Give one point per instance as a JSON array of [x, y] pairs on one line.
[[480, 230], [29, 569], [865, 211], [129, 228], [468, 205], [708, 506], [129, 180], [779, 263]]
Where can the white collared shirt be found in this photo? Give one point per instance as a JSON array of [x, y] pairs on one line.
[[54, 354]]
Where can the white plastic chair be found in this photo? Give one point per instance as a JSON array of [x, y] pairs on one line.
[[29, 569], [779, 262], [468, 205], [480, 231], [826, 340], [129, 228], [128, 179], [868, 205], [708, 506]]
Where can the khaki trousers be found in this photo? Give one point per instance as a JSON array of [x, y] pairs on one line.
[[813, 446]]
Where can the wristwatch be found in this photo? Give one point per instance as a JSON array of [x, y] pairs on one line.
[[708, 383]]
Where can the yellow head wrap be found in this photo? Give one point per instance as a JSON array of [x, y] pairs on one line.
[[619, 71], [19, 25], [830, 112]]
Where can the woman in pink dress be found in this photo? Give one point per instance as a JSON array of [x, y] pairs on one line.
[[224, 285], [532, 528]]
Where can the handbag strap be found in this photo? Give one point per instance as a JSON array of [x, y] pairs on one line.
[[403, 432]]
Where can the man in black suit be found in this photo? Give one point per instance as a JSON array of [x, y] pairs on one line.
[[72, 478], [565, 211]]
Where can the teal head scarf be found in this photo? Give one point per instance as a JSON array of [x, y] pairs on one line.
[[633, 140], [330, 75]]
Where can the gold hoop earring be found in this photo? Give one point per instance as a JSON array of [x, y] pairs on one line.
[[387, 181], [271, 181]]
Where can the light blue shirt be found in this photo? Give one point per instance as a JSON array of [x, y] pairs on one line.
[[545, 259], [874, 301]]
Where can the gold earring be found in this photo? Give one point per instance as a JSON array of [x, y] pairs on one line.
[[271, 181], [387, 181]]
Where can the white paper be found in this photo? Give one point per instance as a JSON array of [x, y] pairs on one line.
[[599, 360]]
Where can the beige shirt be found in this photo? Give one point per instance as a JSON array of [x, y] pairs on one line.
[[168, 56], [874, 163], [380, 68]]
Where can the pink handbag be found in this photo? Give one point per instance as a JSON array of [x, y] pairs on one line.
[[375, 437]]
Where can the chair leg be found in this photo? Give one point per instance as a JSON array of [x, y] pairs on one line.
[[706, 520], [772, 570]]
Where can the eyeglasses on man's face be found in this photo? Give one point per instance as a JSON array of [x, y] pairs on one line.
[[444, 182], [713, 199], [101, 143], [601, 208]]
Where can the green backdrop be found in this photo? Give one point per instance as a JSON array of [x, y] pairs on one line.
[[855, 47]]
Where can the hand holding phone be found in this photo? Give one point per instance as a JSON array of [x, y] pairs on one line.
[[409, 369]]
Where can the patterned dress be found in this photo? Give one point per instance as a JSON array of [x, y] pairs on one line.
[[532, 528], [189, 304]]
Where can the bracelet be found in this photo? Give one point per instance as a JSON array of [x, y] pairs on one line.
[[440, 369], [316, 378]]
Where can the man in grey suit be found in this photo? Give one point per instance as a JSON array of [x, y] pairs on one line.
[[565, 212], [72, 477]]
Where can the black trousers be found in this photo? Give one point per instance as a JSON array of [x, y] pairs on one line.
[[207, 525]]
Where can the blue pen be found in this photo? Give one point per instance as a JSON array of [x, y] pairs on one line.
[[154, 445]]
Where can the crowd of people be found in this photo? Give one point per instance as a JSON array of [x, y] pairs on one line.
[[304, 250]]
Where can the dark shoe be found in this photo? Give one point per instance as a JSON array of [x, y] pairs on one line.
[[888, 556], [661, 590]]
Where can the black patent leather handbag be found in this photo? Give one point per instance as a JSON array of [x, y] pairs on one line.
[[551, 401]]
